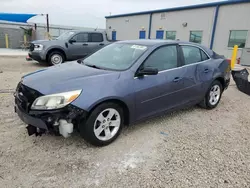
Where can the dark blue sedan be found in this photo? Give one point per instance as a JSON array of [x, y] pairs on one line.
[[120, 84]]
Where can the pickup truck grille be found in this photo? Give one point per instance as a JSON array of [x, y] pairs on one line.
[[25, 96], [32, 46]]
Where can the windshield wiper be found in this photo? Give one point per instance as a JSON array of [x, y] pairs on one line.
[[93, 66], [81, 61]]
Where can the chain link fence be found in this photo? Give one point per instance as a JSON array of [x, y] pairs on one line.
[[12, 35], [2, 39]]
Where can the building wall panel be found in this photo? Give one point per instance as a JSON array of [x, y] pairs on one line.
[[196, 20], [127, 28]]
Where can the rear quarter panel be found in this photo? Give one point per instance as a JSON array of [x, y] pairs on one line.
[[217, 68]]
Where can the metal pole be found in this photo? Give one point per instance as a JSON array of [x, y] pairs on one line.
[[47, 18], [234, 56], [6, 41]]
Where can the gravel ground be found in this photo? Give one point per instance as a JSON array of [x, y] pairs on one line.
[[188, 148]]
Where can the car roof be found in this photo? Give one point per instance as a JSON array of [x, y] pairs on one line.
[[148, 42], [159, 42], [87, 31]]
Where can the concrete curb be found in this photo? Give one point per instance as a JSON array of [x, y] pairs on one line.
[[13, 56]]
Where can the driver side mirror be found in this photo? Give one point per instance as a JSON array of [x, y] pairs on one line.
[[147, 71], [72, 41]]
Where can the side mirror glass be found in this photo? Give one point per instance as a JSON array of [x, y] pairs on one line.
[[147, 71], [72, 41]]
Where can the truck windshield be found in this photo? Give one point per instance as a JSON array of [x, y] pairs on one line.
[[66, 35], [116, 56]]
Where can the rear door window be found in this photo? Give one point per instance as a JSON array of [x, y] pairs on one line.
[[81, 37], [191, 54], [204, 56], [96, 37]]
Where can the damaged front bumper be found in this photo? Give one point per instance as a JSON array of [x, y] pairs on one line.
[[60, 121], [26, 118]]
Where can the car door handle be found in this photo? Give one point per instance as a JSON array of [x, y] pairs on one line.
[[206, 70], [85, 44], [101, 44], [177, 79]]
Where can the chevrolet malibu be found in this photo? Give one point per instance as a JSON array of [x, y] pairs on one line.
[[120, 84]]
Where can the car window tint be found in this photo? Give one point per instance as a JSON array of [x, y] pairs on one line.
[[163, 58], [204, 56], [81, 37], [96, 37], [191, 54]]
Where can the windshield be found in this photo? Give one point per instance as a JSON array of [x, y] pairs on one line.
[[117, 56], [66, 35]]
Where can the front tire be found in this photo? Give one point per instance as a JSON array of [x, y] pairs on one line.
[[213, 96], [56, 58], [103, 125]]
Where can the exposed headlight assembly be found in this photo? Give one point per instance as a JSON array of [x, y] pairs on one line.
[[38, 47], [55, 101]]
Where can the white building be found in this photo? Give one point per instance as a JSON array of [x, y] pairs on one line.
[[219, 25]]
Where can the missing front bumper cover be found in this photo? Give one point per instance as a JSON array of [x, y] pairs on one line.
[[40, 122]]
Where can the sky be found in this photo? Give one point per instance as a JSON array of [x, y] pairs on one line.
[[86, 13]]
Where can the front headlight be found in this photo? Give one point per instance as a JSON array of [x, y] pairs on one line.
[[38, 47], [55, 101]]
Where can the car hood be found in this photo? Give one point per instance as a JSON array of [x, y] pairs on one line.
[[49, 42], [68, 77], [41, 41]]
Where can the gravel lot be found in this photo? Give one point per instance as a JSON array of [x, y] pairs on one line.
[[188, 148]]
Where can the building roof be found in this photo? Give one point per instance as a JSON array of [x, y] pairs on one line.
[[229, 2]]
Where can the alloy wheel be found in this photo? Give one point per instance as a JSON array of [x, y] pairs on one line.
[[107, 124], [214, 95]]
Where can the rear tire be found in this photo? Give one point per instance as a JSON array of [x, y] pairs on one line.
[[103, 125], [213, 96], [56, 58]]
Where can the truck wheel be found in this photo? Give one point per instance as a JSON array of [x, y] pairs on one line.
[[103, 125], [56, 58]]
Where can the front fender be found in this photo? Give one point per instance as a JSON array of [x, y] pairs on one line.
[[56, 47], [106, 99], [94, 93]]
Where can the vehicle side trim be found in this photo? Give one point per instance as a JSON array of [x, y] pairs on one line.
[[166, 94]]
